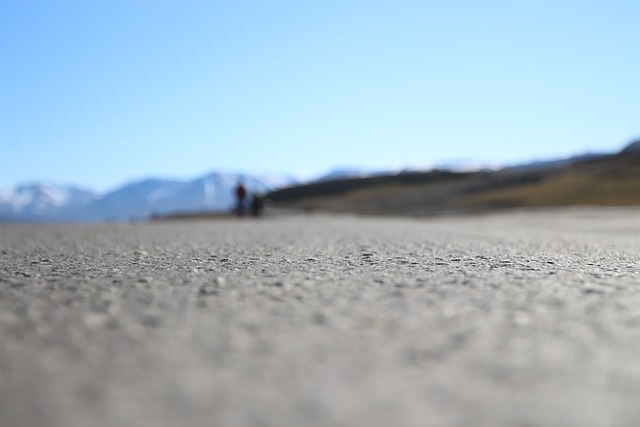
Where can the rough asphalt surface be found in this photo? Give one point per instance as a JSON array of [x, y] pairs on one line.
[[522, 319]]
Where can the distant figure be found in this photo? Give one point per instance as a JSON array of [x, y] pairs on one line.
[[241, 193], [257, 204]]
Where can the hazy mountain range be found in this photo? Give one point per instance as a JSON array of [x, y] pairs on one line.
[[46, 202]]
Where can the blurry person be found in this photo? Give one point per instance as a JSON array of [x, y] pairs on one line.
[[241, 193], [257, 204]]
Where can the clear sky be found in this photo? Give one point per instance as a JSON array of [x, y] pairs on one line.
[[99, 92]]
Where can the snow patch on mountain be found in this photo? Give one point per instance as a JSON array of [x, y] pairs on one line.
[[162, 192], [44, 199], [350, 173]]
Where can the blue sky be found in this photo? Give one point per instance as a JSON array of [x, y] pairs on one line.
[[99, 92]]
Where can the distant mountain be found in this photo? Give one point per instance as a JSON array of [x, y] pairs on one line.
[[211, 193], [364, 172], [44, 200], [347, 173], [633, 147], [555, 163], [136, 200]]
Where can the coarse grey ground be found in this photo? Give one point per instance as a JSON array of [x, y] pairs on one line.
[[522, 319]]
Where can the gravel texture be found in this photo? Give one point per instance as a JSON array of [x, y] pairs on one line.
[[523, 319]]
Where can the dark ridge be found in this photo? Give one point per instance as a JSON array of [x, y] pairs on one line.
[[341, 186]]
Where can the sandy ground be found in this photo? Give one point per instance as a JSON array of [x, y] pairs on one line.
[[522, 319]]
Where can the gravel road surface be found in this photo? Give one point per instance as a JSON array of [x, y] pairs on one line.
[[523, 319]]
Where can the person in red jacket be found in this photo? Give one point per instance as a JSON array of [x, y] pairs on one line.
[[241, 193]]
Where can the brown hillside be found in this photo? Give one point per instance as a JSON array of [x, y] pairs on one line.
[[608, 180]]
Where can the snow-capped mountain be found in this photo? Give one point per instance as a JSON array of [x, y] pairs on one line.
[[141, 199], [213, 192], [34, 200]]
